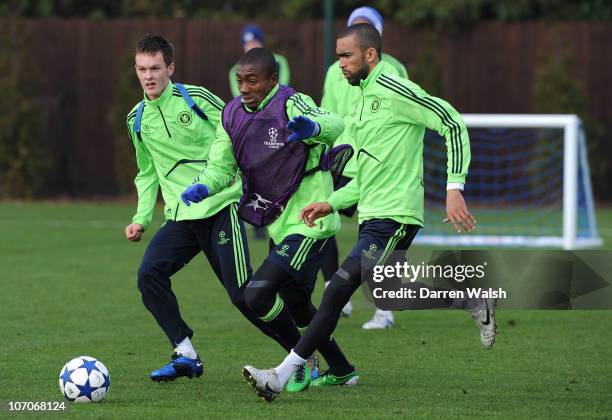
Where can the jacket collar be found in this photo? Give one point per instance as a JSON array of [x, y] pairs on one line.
[[265, 101], [163, 99], [373, 76]]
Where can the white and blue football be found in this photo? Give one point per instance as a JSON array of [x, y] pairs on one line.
[[84, 379]]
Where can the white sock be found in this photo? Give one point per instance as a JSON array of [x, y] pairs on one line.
[[185, 348], [291, 363], [386, 314]]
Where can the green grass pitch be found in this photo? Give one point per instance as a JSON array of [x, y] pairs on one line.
[[69, 289]]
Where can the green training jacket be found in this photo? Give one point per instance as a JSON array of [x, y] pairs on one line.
[[388, 125], [339, 95], [173, 150]]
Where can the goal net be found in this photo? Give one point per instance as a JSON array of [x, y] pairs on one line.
[[528, 184]]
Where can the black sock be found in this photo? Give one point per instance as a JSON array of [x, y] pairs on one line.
[[338, 364], [330, 351], [337, 294], [285, 327]]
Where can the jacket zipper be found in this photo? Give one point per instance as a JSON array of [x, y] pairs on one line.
[[176, 210], [362, 105], [164, 120]]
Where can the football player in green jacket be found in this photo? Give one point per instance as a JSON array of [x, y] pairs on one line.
[[338, 96], [172, 130], [388, 127]]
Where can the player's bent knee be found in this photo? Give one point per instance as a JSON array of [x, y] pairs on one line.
[[348, 273], [338, 290], [259, 297], [343, 284], [146, 272], [260, 293]]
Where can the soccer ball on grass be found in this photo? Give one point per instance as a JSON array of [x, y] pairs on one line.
[[84, 379]]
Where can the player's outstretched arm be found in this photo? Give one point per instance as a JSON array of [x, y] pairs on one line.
[[412, 104], [302, 128], [457, 212], [221, 169], [310, 123], [315, 211], [146, 181]]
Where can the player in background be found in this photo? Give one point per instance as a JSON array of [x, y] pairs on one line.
[[253, 37], [276, 137], [387, 126], [338, 96], [172, 139]]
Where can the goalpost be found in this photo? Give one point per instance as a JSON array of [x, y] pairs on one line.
[[528, 184]]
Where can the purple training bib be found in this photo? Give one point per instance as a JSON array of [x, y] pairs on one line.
[[271, 168]]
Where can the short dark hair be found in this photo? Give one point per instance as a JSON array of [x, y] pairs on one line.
[[150, 44], [260, 58], [367, 36]]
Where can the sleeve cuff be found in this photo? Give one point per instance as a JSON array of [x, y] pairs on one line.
[[144, 224], [454, 186], [334, 205], [317, 130]]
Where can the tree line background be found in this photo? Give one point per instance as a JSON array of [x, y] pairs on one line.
[[68, 77]]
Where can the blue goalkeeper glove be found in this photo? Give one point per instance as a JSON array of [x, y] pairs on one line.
[[195, 194], [303, 128]]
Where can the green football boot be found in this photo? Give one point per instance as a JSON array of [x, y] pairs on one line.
[[328, 379], [300, 380]]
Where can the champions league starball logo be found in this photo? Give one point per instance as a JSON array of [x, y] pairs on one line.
[[371, 252], [223, 239], [283, 251], [272, 139], [273, 133]]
